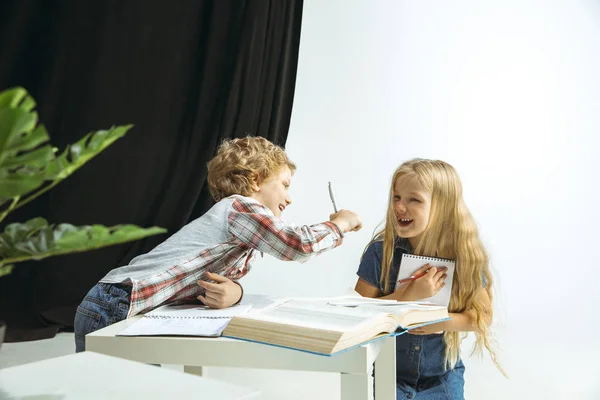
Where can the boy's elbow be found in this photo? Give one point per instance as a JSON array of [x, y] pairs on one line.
[[304, 252], [302, 256]]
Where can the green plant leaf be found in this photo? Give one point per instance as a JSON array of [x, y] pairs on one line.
[[16, 97], [29, 166], [5, 270], [36, 239], [80, 152], [24, 149]]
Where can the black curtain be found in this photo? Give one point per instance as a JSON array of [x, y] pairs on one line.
[[187, 73]]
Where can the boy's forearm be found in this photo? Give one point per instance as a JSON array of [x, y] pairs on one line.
[[251, 224]]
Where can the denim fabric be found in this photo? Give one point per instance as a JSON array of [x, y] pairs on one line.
[[104, 305], [420, 372]]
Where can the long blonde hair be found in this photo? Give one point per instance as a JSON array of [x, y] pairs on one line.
[[451, 233]]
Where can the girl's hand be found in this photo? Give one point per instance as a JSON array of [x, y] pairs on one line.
[[427, 285], [221, 294]]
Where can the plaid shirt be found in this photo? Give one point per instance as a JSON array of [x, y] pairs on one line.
[[248, 226]]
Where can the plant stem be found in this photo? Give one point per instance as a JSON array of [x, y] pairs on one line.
[[10, 208], [55, 253], [36, 194]]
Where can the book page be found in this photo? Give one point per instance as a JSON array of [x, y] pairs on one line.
[[355, 302], [318, 315], [261, 302], [400, 309]]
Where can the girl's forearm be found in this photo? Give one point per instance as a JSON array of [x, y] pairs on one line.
[[458, 322], [462, 322], [465, 321], [398, 295]]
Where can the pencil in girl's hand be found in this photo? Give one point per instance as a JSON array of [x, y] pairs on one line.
[[413, 277]]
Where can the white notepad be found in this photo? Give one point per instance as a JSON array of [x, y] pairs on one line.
[[410, 263], [184, 320]]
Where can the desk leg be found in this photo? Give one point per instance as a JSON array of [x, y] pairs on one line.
[[189, 369], [385, 371], [356, 387]]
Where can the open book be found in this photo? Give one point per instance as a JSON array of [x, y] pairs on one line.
[[319, 327]]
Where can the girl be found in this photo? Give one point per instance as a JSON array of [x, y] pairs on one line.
[[427, 216]]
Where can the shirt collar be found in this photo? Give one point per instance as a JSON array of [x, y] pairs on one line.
[[403, 244]]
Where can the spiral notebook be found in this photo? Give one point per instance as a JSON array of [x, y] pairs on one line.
[[411, 262], [184, 320]]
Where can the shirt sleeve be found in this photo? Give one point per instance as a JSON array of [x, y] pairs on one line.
[[255, 225], [370, 265]]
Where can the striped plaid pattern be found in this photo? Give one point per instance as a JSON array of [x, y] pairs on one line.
[[251, 227], [255, 225]]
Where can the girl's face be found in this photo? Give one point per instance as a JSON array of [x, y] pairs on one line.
[[411, 204]]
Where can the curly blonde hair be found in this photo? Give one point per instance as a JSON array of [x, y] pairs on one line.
[[240, 161]]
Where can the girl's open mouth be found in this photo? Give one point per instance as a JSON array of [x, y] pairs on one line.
[[404, 222]]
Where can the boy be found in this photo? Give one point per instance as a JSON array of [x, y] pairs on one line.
[[249, 178]]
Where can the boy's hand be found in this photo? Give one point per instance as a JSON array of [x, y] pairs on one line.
[[221, 294], [346, 220], [427, 285]]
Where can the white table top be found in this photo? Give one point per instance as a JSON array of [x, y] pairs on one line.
[[91, 375]]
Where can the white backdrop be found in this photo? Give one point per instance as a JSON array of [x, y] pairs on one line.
[[509, 93]]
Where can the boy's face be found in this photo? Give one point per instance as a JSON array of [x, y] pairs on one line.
[[273, 191], [412, 204]]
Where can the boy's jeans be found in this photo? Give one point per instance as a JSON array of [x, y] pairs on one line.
[[105, 304]]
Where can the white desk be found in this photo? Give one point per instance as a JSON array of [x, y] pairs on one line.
[[90, 375], [355, 365]]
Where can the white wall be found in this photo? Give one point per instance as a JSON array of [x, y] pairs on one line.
[[509, 93]]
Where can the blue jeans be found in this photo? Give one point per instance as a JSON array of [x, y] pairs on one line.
[[449, 386], [420, 372], [104, 305]]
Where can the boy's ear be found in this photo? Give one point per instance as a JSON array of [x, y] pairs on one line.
[[254, 184]]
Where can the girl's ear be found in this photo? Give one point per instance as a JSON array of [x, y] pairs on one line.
[[254, 184]]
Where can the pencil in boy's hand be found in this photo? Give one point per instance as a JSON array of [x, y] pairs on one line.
[[332, 197]]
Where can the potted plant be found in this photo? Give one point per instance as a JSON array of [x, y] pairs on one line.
[[29, 167]]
